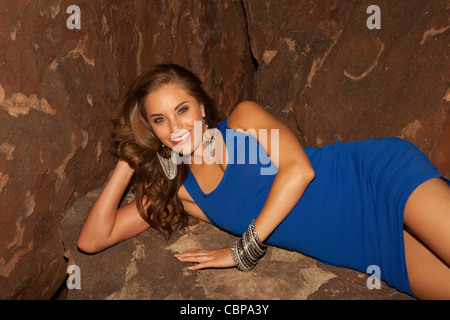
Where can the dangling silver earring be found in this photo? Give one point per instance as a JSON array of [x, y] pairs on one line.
[[209, 143], [169, 168]]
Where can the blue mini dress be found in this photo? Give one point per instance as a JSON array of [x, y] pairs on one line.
[[351, 214]]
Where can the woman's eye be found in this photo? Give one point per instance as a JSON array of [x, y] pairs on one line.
[[183, 109], [160, 119]]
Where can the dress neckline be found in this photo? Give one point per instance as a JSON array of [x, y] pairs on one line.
[[227, 168]]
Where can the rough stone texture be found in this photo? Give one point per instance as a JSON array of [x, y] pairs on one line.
[[319, 69], [144, 267], [58, 90], [329, 77]]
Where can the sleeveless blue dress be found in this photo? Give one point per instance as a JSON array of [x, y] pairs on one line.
[[351, 215]]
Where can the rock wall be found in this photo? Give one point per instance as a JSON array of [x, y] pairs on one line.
[[330, 77], [320, 69], [59, 89]]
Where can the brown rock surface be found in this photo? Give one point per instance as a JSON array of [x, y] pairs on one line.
[[329, 77], [59, 88], [144, 267], [320, 70]]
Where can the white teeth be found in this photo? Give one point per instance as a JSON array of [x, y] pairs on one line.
[[181, 137]]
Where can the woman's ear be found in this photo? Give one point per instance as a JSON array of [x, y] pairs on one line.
[[202, 108]]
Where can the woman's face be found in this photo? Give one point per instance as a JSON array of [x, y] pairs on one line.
[[172, 112]]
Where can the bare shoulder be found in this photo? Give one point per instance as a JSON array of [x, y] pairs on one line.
[[250, 115], [273, 135], [244, 114]]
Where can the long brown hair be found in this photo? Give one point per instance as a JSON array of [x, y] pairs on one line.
[[156, 196]]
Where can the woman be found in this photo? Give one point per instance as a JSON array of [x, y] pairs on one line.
[[358, 204]]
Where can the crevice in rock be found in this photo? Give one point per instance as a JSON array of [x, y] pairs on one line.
[[252, 55], [61, 293]]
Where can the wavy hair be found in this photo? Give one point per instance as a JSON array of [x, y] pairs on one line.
[[156, 196]]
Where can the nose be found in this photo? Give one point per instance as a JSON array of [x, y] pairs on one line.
[[174, 124]]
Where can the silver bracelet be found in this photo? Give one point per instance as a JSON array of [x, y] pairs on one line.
[[247, 250]]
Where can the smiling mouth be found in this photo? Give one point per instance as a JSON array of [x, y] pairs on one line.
[[181, 139]]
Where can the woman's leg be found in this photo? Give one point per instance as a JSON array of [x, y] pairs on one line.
[[427, 246], [429, 276]]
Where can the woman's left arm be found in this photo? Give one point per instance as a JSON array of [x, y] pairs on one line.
[[293, 177], [286, 153]]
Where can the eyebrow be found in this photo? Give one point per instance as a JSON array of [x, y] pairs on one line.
[[175, 109]]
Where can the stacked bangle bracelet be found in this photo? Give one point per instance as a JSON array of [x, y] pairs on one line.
[[248, 249]]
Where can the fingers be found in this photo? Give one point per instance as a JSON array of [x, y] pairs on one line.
[[200, 258], [194, 253], [207, 258], [196, 256]]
